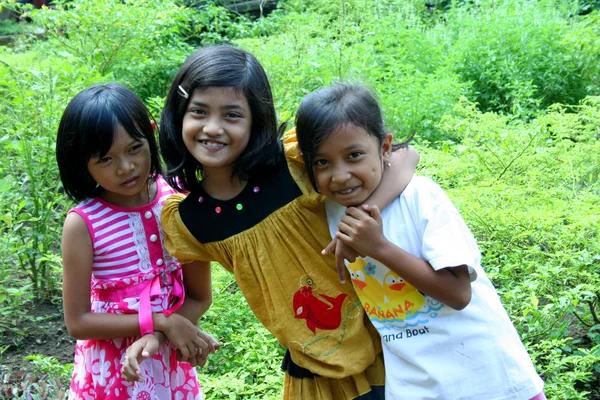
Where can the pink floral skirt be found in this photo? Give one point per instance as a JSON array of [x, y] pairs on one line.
[[97, 365], [97, 374]]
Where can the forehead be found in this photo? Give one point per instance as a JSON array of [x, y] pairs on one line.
[[218, 94], [346, 138]]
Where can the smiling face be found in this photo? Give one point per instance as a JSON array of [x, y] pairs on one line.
[[348, 165], [216, 127], [123, 171]]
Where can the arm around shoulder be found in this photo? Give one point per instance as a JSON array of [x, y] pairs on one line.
[[400, 169]]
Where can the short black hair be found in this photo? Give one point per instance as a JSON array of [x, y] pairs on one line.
[[87, 129], [325, 110], [220, 66]]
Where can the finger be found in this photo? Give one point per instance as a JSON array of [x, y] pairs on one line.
[[201, 360], [210, 342], [131, 369], [344, 254], [192, 349], [150, 348], [345, 229], [373, 212], [215, 343], [330, 249], [356, 213], [341, 267], [186, 352]]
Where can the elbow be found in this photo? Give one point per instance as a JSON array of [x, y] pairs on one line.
[[461, 301], [75, 332], [76, 329]]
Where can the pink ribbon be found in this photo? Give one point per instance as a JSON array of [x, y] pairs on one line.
[[152, 288]]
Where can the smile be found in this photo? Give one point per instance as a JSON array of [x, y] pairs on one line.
[[211, 145], [347, 191]]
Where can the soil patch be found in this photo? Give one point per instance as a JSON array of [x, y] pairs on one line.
[[43, 332]]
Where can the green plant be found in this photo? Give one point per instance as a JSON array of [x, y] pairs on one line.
[[30, 200], [137, 43]]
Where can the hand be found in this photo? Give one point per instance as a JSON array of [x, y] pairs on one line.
[[199, 359], [342, 252], [139, 350], [188, 338], [362, 231]]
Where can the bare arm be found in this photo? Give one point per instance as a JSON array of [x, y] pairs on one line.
[[364, 232], [79, 319], [77, 270], [396, 177]]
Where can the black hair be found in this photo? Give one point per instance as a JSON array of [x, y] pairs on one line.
[[324, 111], [220, 66], [87, 129]]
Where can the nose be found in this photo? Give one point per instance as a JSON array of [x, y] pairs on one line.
[[126, 165], [213, 127], [340, 175]]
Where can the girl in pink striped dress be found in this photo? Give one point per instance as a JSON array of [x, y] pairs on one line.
[[120, 286]]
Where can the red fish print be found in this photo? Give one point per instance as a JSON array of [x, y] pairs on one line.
[[317, 313]]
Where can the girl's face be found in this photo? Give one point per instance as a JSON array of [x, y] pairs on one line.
[[123, 171], [216, 127], [348, 165]]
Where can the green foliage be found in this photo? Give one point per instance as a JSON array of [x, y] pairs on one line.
[[30, 105], [48, 380], [523, 55], [247, 366], [136, 43]]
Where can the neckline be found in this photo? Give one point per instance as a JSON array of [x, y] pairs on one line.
[[208, 197], [151, 204]]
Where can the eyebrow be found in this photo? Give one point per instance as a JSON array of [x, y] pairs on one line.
[[352, 146], [225, 107]]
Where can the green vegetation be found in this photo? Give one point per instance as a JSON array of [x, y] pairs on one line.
[[503, 97]]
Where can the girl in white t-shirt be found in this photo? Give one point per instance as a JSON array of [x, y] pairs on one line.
[[444, 331]]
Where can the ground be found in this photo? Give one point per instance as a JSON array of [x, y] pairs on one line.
[[44, 333]]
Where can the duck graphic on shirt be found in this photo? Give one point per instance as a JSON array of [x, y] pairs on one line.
[[384, 294], [397, 291], [363, 279]]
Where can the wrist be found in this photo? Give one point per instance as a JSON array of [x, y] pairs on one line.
[[160, 322], [160, 336], [379, 251]]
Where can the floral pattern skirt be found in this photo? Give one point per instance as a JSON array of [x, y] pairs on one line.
[[97, 365]]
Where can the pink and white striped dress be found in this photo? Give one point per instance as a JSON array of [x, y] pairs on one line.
[[131, 273]]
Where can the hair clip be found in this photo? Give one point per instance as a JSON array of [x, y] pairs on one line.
[[182, 92]]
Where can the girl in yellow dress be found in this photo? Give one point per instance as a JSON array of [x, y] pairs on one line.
[[266, 225]]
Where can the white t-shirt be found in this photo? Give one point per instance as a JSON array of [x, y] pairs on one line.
[[431, 350]]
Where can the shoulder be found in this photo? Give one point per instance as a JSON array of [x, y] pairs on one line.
[[76, 230], [423, 188], [170, 212]]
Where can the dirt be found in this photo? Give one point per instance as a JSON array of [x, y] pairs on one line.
[[43, 332]]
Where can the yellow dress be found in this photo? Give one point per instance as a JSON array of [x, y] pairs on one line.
[[270, 237]]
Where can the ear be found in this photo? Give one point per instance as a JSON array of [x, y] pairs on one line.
[[386, 147]]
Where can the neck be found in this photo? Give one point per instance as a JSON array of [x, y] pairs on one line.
[[140, 199], [221, 185]]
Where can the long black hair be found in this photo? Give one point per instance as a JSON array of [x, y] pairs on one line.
[[220, 66], [87, 129], [325, 110]]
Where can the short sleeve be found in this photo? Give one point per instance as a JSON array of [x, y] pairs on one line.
[[291, 148], [447, 241], [178, 240]]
